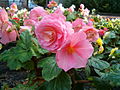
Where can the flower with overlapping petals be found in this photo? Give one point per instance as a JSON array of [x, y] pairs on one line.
[[75, 52]]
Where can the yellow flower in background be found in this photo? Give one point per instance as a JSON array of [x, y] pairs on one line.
[[112, 51], [99, 42], [101, 49]]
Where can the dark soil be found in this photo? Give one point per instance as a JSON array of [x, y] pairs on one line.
[[10, 77]]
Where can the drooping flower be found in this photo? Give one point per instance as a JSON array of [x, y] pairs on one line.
[[6, 33], [52, 31], [75, 52], [78, 24], [37, 12], [91, 32], [3, 16], [6, 37]]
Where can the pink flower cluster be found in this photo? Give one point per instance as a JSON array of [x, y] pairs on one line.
[[70, 41]]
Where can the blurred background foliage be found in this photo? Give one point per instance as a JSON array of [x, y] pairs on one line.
[[105, 6]]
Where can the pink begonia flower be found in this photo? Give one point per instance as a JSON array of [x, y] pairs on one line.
[[91, 32], [52, 4], [52, 31], [75, 52], [24, 28], [6, 26], [29, 22], [101, 32], [90, 23], [86, 12], [6, 34], [82, 6], [6, 37], [13, 7], [37, 12], [3, 16], [78, 24]]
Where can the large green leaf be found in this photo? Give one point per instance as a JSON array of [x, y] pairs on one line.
[[50, 69], [98, 64], [62, 82], [112, 77], [25, 41]]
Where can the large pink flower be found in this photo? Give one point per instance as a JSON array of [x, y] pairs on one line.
[[52, 32], [37, 12], [91, 32], [78, 24], [75, 52]]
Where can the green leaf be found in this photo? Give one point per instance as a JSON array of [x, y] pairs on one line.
[[25, 41], [98, 64], [50, 69], [101, 84], [113, 77], [62, 82], [36, 49], [71, 17]]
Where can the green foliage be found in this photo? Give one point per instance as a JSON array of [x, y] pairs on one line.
[[23, 87], [62, 82], [98, 64], [50, 69], [71, 17], [23, 52], [108, 6], [40, 2], [19, 54]]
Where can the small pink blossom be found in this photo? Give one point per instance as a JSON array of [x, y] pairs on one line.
[[86, 12], [37, 13], [91, 32], [101, 32], [90, 23], [52, 31], [52, 4], [75, 52], [24, 28], [105, 29], [13, 7], [29, 22], [82, 6], [78, 24]]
